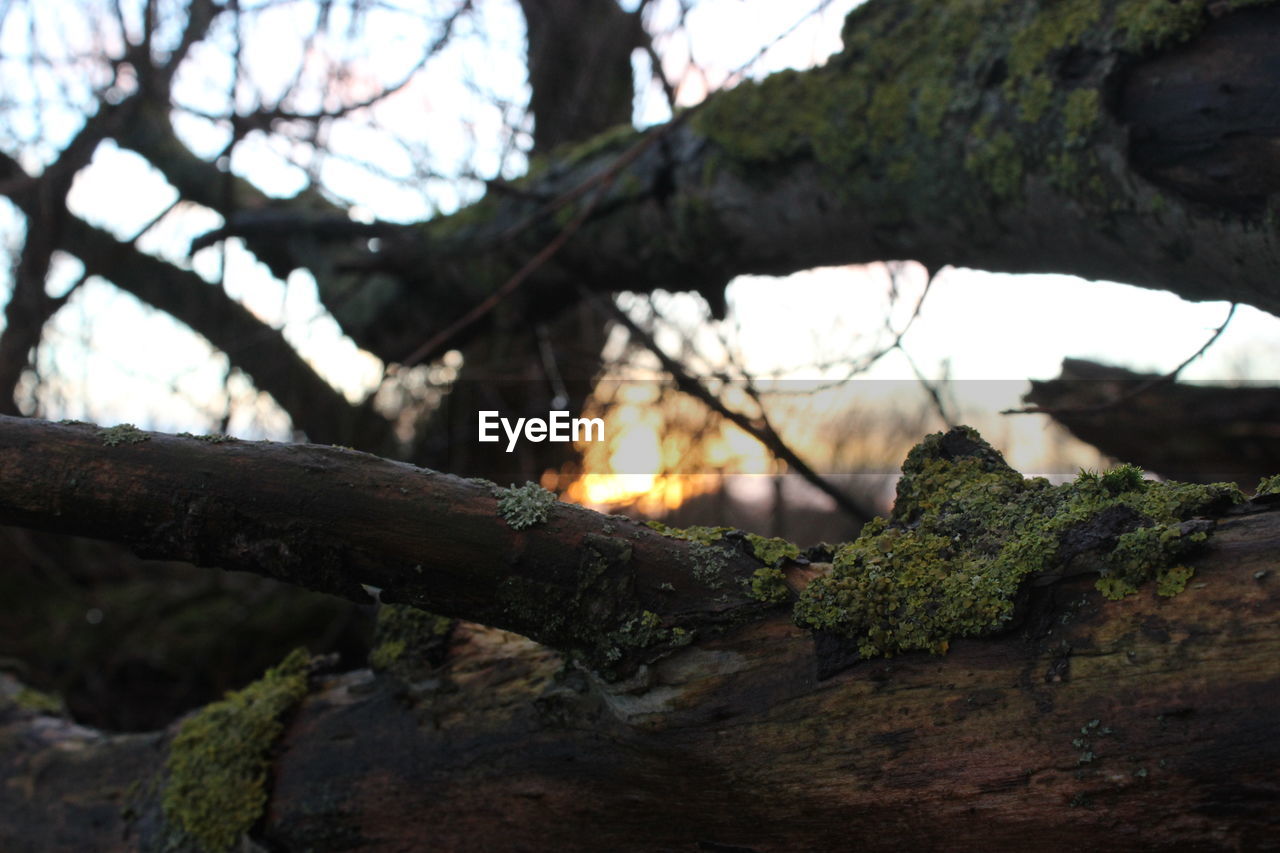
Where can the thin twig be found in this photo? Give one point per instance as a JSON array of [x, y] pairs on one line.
[[762, 432], [934, 394], [1129, 395], [868, 361], [494, 299]]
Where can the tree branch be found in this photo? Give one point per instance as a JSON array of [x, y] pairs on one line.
[[256, 348], [760, 429], [906, 145], [609, 590]]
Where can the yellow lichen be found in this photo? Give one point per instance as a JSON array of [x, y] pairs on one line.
[[967, 531], [769, 585], [771, 550], [408, 640], [1268, 486], [215, 786]]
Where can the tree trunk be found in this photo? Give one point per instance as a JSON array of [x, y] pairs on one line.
[[1143, 723]]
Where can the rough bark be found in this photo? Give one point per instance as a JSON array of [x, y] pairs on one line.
[[579, 58], [579, 61], [1143, 724], [1117, 139], [1014, 136]]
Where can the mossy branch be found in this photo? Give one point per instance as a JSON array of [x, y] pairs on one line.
[[608, 591]]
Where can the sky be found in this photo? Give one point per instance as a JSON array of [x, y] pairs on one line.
[[102, 347]]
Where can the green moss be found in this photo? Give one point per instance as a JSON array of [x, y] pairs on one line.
[[760, 126], [967, 531], [1155, 24], [769, 585], [524, 506], [1151, 25], [697, 533], [30, 699], [1268, 486], [386, 653], [996, 71], [1037, 98], [122, 434], [215, 788], [408, 640], [864, 116], [1054, 26], [997, 163], [888, 114], [1080, 116], [770, 551], [932, 104], [614, 140]]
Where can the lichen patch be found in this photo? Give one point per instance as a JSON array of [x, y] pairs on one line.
[[122, 434], [215, 787], [967, 532], [524, 506]]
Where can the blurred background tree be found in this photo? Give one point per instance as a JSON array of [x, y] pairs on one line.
[[194, 191]]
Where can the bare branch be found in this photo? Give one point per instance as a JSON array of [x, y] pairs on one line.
[[256, 348], [761, 430]]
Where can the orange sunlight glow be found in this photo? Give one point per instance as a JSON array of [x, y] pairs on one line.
[[634, 466], [663, 450]]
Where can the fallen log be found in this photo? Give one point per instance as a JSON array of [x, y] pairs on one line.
[[1140, 723]]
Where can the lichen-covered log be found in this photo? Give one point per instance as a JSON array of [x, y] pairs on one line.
[[1127, 140], [1141, 724], [967, 536]]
